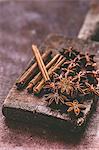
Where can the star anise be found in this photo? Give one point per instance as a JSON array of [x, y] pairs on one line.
[[56, 77], [80, 76], [88, 58], [69, 72], [90, 66], [66, 85], [91, 89], [75, 106], [70, 52], [93, 73], [71, 68], [79, 87], [55, 96], [72, 61]]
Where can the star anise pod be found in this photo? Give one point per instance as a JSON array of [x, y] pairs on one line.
[[81, 75], [69, 72], [75, 106], [79, 87], [66, 85], [72, 61], [70, 52], [93, 73], [71, 69], [93, 77], [55, 96], [88, 58], [91, 89], [56, 77], [90, 67]]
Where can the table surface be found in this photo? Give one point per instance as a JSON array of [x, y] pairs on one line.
[[21, 24]]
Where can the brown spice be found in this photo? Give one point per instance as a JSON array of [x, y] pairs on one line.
[[72, 64], [38, 88], [38, 77], [76, 106], [40, 63], [22, 80], [55, 96], [92, 89], [66, 85]]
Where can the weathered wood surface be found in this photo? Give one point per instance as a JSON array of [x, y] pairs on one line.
[[20, 24], [90, 28], [30, 103]]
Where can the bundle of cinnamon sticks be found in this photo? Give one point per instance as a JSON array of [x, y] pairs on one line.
[[33, 81]]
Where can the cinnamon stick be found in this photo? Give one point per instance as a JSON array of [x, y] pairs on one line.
[[38, 88], [40, 63], [38, 77], [22, 80]]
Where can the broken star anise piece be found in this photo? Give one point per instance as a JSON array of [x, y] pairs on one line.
[[66, 85], [75, 106], [55, 96]]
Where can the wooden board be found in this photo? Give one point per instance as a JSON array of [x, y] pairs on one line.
[[19, 105]]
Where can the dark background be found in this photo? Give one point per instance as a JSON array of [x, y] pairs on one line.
[[21, 24]]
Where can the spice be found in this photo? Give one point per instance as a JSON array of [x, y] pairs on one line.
[[55, 96], [31, 70], [40, 63], [88, 58], [93, 73], [92, 89], [38, 77], [38, 88], [71, 65], [66, 85], [80, 75], [50, 86], [66, 77], [79, 87], [75, 106], [70, 52]]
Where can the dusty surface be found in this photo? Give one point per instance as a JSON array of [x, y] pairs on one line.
[[22, 23]]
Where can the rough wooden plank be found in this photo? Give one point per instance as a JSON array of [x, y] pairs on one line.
[[21, 100], [90, 27]]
